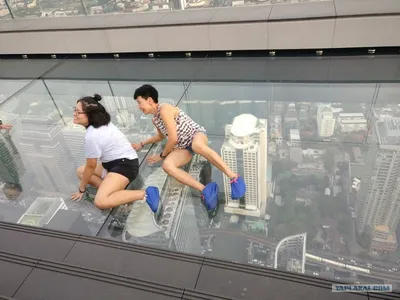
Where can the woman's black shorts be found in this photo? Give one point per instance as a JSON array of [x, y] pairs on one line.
[[126, 167]]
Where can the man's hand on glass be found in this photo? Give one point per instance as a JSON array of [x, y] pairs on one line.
[[154, 159], [137, 146]]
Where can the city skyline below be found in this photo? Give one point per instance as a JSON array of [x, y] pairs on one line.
[[309, 170], [51, 9]]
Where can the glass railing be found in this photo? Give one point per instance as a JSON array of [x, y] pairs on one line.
[[51, 8], [325, 202]]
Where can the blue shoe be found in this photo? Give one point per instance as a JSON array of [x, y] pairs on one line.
[[210, 195], [238, 187], [153, 198]]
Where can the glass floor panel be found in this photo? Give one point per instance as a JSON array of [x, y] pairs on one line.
[[321, 160]]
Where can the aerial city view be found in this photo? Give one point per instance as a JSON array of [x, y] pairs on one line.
[[64, 8], [322, 177]]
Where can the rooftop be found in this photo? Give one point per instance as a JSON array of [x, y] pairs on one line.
[[382, 228], [244, 125], [388, 131]]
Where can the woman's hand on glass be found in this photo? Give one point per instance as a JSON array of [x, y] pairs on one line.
[[77, 196]]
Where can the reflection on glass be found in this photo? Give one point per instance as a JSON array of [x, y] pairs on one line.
[[9, 87], [4, 12], [46, 8], [177, 227], [96, 7], [321, 162], [50, 149], [309, 156]]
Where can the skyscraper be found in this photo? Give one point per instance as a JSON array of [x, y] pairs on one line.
[[114, 104], [74, 137], [11, 166], [245, 152], [187, 238], [325, 120], [378, 202], [41, 142]]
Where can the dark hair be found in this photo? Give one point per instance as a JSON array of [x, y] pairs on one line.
[[146, 91], [96, 113]]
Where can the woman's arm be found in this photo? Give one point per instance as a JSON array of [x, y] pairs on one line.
[[91, 164], [93, 152], [167, 114]]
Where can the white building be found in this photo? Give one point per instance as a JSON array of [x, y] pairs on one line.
[[325, 120], [350, 122], [312, 153], [182, 4], [74, 137], [291, 248], [245, 152], [294, 138]]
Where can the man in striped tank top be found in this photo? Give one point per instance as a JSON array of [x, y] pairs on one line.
[[185, 138]]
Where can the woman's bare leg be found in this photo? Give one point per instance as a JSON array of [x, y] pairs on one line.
[[112, 193], [96, 179]]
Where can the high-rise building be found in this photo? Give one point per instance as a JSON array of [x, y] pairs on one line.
[[74, 137], [383, 240], [177, 225], [11, 165], [325, 120], [141, 227], [187, 238], [114, 105], [290, 253], [245, 152], [42, 144], [378, 202], [178, 219]]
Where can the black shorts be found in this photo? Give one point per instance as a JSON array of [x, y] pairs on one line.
[[126, 167]]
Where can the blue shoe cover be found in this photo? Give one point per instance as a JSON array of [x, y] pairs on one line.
[[210, 195], [238, 187], [153, 198]]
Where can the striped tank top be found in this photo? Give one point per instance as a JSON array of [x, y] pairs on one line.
[[186, 128]]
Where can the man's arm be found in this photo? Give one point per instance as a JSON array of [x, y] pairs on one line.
[[5, 126], [91, 164], [167, 114], [154, 139]]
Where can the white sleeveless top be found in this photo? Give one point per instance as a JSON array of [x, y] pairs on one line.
[[185, 126]]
